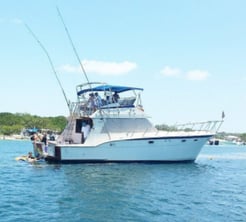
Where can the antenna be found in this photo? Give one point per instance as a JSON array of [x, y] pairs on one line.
[[51, 63], [71, 42]]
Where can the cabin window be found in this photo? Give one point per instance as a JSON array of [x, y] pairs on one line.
[[79, 124]]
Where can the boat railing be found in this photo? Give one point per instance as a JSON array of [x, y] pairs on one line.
[[127, 101], [100, 96], [84, 110], [206, 126]]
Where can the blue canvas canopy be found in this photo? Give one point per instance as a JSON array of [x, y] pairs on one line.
[[111, 88], [32, 130]]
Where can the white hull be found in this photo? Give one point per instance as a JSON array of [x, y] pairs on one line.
[[135, 150]]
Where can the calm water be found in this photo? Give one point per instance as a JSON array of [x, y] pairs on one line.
[[211, 189]]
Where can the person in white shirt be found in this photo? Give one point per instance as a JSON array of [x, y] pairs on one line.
[[91, 102], [98, 100], [85, 129]]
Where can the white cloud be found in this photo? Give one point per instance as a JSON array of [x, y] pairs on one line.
[[169, 71], [197, 75], [101, 67], [194, 75]]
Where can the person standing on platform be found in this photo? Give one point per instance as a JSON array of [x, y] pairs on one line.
[[85, 129]]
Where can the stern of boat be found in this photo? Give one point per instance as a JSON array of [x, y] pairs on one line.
[[39, 149], [53, 153]]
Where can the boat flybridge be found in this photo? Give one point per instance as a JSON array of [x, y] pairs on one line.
[[107, 123]]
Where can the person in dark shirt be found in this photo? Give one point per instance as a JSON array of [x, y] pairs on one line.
[[44, 139], [116, 97]]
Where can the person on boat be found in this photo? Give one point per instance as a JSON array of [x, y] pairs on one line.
[[35, 137], [91, 102], [52, 137], [108, 98], [44, 139], [98, 100], [116, 97], [85, 129]]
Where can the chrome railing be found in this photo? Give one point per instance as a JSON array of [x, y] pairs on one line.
[[208, 126]]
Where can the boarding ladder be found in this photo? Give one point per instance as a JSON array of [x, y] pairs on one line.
[[67, 135]]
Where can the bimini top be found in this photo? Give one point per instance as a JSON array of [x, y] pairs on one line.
[[110, 88]]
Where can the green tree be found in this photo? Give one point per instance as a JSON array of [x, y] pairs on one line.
[[243, 137], [14, 123]]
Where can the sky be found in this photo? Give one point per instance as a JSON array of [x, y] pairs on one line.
[[188, 55]]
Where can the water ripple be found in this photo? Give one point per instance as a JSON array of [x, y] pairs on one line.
[[211, 189]]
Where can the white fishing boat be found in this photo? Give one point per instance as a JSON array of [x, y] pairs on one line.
[[115, 128], [112, 129]]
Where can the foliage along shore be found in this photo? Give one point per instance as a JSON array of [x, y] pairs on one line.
[[13, 124]]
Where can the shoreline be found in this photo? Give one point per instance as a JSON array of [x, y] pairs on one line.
[[14, 137]]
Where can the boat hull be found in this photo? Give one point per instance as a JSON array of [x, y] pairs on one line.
[[154, 150]]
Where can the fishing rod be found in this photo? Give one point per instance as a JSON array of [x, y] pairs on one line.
[[74, 49], [51, 64]]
